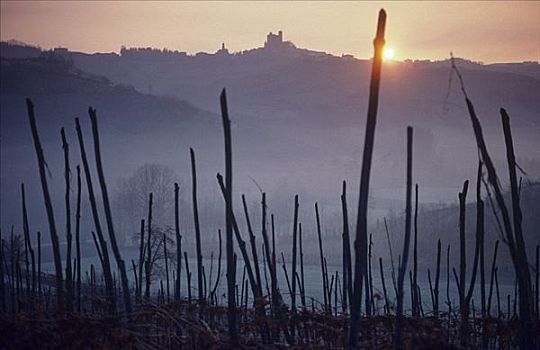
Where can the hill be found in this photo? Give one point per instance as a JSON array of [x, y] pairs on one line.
[[131, 124]]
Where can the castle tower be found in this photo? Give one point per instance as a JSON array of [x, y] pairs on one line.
[[274, 41], [223, 50]]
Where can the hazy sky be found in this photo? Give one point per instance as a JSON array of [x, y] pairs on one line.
[[482, 31]]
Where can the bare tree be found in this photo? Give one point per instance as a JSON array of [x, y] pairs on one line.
[[131, 195], [157, 258]]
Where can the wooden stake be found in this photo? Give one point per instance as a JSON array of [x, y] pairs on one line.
[[403, 266], [178, 240], [108, 213], [78, 237], [48, 206], [369, 140], [231, 273]]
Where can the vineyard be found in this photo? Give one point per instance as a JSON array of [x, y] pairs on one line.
[[239, 302]]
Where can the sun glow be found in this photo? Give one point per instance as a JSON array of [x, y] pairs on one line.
[[388, 53]]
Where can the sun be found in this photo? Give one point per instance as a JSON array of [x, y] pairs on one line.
[[388, 53]]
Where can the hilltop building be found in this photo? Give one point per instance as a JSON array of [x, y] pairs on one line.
[[275, 42], [223, 51]]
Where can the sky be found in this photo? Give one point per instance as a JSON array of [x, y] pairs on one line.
[[481, 31]]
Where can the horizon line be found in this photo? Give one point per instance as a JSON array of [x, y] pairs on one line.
[[16, 42]]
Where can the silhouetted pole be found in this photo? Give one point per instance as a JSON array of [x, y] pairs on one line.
[[108, 214], [148, 258], [178, 240], [141, 262], [188, 277], [97, 224], [219, 267], [437, 277], [386, 305], [463, 309], [166, 266], [253, 246], [196, 223], [48, 206], [241, 244], [403, 266], [516, 251], [293, 270], [39, 262], [302, 284], [481, 235], [479, 238], [347, 261], [231, 273], [523, 273], [537, 299], [415, 306], [321, 256], [271, 259], [67, 172], [78, 237], [284, 266], [492, 280], [26, 231], [361, 222], [392, 265]]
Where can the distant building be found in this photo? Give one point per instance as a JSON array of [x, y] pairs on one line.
[[223, 51], [148, 53], [275, 42], [62, 52]]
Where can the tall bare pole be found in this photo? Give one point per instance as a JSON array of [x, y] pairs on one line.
[[26, 231], [463, 309], [231, 273], [271, 259], [165, 254], [253, 247], [295, 239], [108, 213], [523, 272], [347, 261], [148, 259], [213, 293], [141, 263], [481, 234], [415, 306], [437, 277], [197, 225], [67, 173], [302, 284], [78, 237], [93, 206], [178, 240], [369, 140], [48, 206], [398, 344], [242, 245], [321, 256], [39, 263]]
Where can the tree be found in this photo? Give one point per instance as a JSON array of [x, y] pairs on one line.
[[157, 260], [132, 195]]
